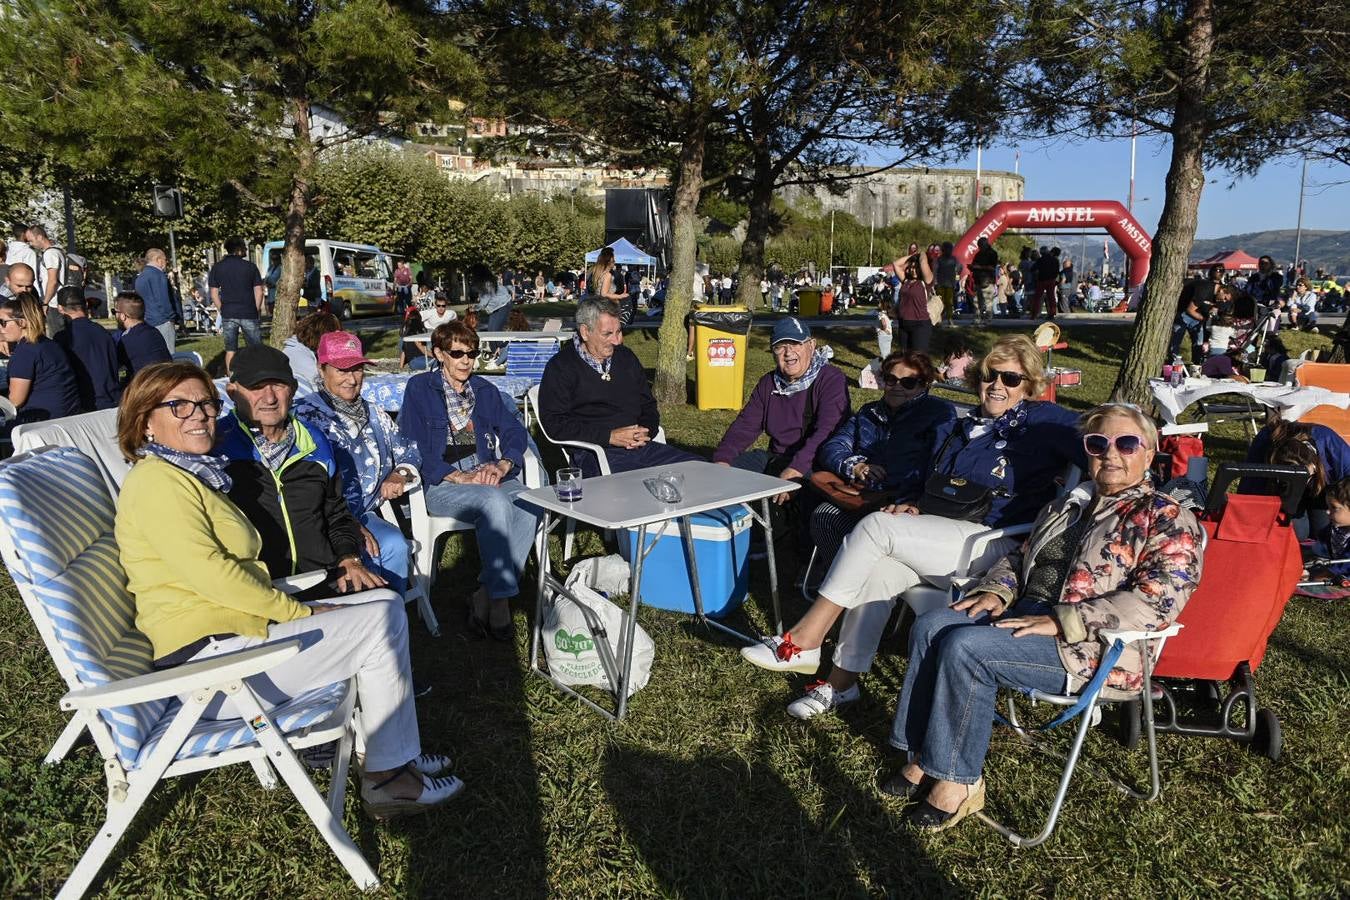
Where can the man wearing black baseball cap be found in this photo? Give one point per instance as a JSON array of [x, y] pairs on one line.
[[285, 477]]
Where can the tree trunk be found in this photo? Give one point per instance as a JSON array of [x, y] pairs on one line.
[[671, 365], [1181, 207], [751, 269], [297, 209]]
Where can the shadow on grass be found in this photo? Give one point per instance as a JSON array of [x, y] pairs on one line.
[[489, 843], [724, 825]]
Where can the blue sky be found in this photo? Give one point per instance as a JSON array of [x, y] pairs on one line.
[[1100, 170]]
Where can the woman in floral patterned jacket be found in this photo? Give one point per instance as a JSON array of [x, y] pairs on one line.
[[1113, 554]]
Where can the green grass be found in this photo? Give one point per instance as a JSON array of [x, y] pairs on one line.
[[709, 789]]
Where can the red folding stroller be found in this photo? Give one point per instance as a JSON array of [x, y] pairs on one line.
[[1252, 565]]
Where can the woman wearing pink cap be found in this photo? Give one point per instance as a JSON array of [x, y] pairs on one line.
[[376, 462]]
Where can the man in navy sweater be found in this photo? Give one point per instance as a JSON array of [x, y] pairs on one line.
[[140, 345], [92, 351], [594, 390]]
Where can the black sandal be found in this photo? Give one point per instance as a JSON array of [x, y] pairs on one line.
[[901, 787], [927, 817]]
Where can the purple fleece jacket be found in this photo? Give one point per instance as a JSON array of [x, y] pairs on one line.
[[781, 417]]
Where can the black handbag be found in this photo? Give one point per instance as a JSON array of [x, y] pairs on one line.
[[954, 497]]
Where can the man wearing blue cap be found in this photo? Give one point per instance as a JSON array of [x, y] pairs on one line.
[[798, 405]]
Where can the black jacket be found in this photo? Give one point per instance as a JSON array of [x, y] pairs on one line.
[[93, 355], [300, 512]]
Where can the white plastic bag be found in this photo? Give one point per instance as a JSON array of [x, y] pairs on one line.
[[571, 630], [606, 574]]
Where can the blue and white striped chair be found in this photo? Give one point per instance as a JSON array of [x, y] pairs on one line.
[[56, 538]]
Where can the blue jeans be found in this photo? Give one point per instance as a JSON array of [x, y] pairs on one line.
[[956, 665], [505, 529], [392, 563], [1183, 326], [230, 328], [496, 320]]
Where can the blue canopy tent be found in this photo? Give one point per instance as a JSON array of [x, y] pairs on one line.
[[625, 254]]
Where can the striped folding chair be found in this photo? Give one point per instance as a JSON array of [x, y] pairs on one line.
[[56, 538]]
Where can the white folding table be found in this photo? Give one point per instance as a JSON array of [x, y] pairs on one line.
[[623, 501], [499, 337]]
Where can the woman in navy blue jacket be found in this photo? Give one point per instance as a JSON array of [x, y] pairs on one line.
[[1011, 444], [884, 447], [473, 454]]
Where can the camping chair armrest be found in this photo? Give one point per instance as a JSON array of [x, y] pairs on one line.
[[303, 581], [1129, 637], [533, 470], [182, 679], [976, 543]]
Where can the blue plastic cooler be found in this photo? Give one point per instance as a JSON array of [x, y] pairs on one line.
[[722, 547]]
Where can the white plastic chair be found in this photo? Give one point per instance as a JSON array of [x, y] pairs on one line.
[[427, 530], [56, 538], [532, 402]]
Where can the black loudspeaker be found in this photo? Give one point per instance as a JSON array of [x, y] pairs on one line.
[[642, 215], [168, 202]]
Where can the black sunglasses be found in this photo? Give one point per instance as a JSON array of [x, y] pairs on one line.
[[185, 409], [459, 354], [909, 382], [1009, 379], [1099, 444]]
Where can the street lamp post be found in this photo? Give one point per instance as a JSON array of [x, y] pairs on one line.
[[829, 266], [1298, 234], [872, 236]]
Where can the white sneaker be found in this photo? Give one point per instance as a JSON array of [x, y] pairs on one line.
[[821, 697], [779, 654]]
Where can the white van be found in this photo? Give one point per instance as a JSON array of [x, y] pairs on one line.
[[354, 279]]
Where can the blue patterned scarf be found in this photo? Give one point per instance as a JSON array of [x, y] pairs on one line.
[[1012, 420], [274, 453], [786, 388], [601, 367], [210, 470], [459, 407]]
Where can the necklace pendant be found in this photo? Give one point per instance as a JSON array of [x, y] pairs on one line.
[[604, 376]]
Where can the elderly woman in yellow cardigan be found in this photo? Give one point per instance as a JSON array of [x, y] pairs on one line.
[[191, 559]]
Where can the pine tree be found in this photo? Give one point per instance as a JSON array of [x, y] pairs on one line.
[[249, 94]]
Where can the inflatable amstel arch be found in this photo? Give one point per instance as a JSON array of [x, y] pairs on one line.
[[1108, 214]]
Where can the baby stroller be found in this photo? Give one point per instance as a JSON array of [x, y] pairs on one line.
[[1252, 565]]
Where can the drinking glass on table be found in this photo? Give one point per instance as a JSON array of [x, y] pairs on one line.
[[568, 484]]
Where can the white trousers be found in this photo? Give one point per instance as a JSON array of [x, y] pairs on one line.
[[886, 555], [368, 638]]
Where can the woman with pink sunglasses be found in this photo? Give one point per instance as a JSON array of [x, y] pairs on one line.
[[1111, 554]]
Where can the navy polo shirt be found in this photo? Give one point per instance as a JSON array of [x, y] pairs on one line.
[[54, 393], [141, 346], [235, 277]]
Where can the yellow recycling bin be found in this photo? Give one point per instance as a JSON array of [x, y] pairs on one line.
[[719, 352], [808, 302]]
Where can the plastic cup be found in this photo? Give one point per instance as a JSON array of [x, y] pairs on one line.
[[567, 485], [1167, 372], [1258, 374]]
